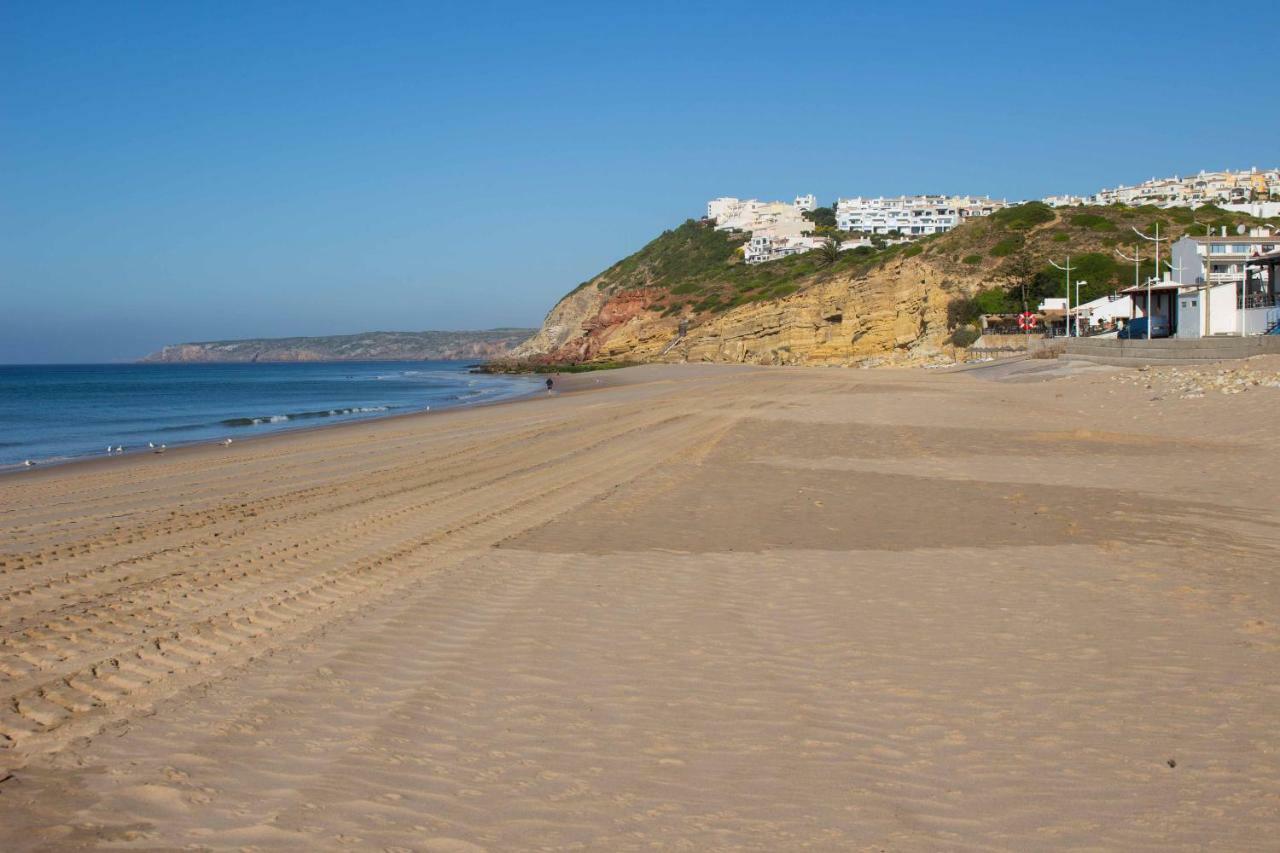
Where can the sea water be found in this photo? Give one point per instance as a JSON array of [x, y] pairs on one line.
[[56, 413]]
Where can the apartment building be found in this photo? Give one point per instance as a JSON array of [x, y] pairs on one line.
[[1221, 292], [771, 218], [912, 216], [1224, 187], [764, 247], [1067, 200]]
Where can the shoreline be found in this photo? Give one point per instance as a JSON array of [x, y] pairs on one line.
[[566, 384]]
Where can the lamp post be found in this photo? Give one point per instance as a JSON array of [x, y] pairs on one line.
[[1067, 270], [1157, 240]]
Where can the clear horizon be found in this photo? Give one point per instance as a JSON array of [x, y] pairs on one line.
[[183, 173]]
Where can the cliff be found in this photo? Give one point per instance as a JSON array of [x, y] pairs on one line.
[[369, 346], [900, 304]]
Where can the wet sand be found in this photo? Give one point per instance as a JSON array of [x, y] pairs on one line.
[[684, 607]]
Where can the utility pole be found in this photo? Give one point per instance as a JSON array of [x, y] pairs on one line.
[[1157, 240], [1067, 270]]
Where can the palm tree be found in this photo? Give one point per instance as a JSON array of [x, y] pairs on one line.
[[829, 252]]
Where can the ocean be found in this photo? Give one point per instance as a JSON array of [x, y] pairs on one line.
[[56, 413]]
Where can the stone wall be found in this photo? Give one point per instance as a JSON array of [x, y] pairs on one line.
[[1124, 353]]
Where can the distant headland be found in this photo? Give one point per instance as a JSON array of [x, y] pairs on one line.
[[366, 346]]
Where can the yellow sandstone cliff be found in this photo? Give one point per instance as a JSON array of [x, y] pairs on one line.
[[897, 312]]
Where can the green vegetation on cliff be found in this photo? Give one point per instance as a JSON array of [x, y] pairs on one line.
[[695, 266], [1015, 246]]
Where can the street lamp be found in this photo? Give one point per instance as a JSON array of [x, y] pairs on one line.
[[1157, 240]]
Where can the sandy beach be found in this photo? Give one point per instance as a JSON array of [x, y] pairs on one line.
[[672, 607]]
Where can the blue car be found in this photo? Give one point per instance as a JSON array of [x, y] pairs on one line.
[[1137, 329]]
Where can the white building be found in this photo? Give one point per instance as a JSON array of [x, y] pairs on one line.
[[1221, 188], [1065, 200], [722, 207], [777, 228], [1105, 310], [1219, 293], [912, 216], [762, 247], [773, 218], [1260, 209]]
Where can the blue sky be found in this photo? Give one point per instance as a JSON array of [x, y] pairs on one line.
[[194, 171]]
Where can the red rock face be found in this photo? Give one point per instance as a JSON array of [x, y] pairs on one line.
[[618, 310]]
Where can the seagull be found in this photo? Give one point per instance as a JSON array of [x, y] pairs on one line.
[[28, 463], [226, 443], [151, 445], [119, 448], [109, 448], [159, 449]]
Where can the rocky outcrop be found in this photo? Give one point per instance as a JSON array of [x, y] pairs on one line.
[[369, 346], [897, 313]]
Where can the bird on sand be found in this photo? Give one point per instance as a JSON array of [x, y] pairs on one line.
[[159, 449], [226, 443], [28, 463], [119, 448], [151, 444]]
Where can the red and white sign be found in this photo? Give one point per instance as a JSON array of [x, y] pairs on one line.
[[1026, 320]]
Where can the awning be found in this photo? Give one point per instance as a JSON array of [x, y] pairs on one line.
[[1268, 260]]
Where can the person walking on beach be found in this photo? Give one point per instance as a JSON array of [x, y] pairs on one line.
[[549, 384]]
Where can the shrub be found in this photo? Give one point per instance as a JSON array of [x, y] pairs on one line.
[[912, 251], [1093, 222], [1024, 216], [1007, 246], [823, 217], [994, 300], [1060, 238], [687, 287], [972, 259], [965, 336]]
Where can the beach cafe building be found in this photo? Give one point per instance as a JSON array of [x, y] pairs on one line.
[[1157, 299]]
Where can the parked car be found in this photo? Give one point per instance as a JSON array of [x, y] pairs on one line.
[[1136, 329]]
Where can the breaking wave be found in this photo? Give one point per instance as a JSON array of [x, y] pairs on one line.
[[299, 416]]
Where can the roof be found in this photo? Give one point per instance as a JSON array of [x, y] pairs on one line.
[[1270, 259], [1235, 238], [1159, 285]]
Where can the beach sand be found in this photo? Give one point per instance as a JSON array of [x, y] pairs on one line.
[[680, 607]]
